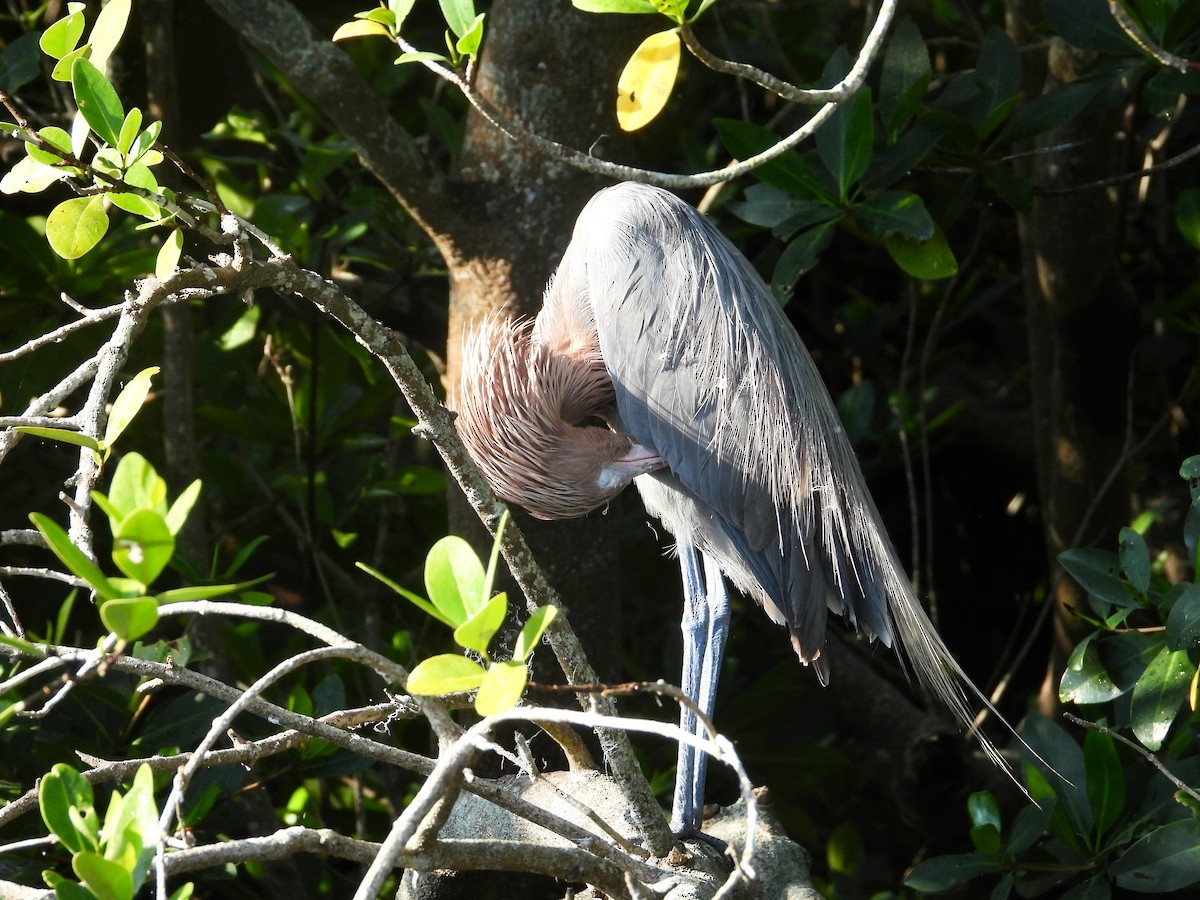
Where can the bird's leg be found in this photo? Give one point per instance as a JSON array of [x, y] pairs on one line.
[[705, 627], [685, 812]]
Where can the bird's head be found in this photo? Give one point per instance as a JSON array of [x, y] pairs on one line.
[[534, 422]]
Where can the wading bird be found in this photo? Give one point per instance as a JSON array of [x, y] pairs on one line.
[[660, 358]]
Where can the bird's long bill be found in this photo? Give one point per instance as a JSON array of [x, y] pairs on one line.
[[638, 461]]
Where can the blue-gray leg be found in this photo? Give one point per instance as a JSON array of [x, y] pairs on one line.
[[705, 627]]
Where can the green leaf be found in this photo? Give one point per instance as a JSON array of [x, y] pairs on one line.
[[129, 618], [944, 872], [207, 591], [143, 545], [845, 141], [532, 631], [104, 878], [128, 404], [1095, 570], [1050, 110], [63, 36], [800, 256], [615, 6], [459, 14], [447, 673], [1085, 679], [502, 687], [1187, 215], [1158, 695], [75, 226], [983, 809], [60, 790], [361, 28], [894, 213], [929, 260], [489, 577], [419, 56], [136, 485], [1068, 778], [28, 176], [904, 76], [131, 827], [72, 557], [139, 176], [468, 44], [130, 129], [144, 143], [1183, 621], [242, 331], [1031, 823], [97, 101], [62, 70], [454, 579], [1086, 24], [1135, 559], [646, 82], [56, 138], [108, 30], [1105, 781], [400, 10], [178, 513], [61, 434], [987, 840], [1166, 859], [167, 260], [789, 171], [477, 632], [416, 599]]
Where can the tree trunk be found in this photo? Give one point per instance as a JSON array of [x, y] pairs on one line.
[[1081, 323]]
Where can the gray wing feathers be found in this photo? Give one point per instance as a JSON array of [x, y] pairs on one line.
[[708, 371]]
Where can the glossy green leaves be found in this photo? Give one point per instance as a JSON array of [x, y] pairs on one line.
[[111, 860], [460, 596]]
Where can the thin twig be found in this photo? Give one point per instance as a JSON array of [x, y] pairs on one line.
[[1137, 748]]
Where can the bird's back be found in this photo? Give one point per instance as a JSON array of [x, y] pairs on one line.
[[708, 372]]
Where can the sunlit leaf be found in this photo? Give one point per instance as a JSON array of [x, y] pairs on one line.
[[167, 260], [502, 687], [130, 129], [129, 618], [128, 404], [75, 226], [459, 15], [360, 28], [143, 545], [63, 36], [615, 6], [454, 579], [447, 673], [57, 138], [77, 438], [468, 44], [929, 260], [97, 101], [647, 80], [59, 790], [106, 879], [29, 176], [71, 556], [532, 631], [477, 632], [178, 513], [1158, 695], [416, 599], [108, 30]]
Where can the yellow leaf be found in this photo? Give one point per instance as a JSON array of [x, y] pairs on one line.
[[647, 79], [359, 28]]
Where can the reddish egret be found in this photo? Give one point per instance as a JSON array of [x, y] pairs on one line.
[[661, 358]]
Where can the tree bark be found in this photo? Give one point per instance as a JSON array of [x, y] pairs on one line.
[[1081, 323]]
